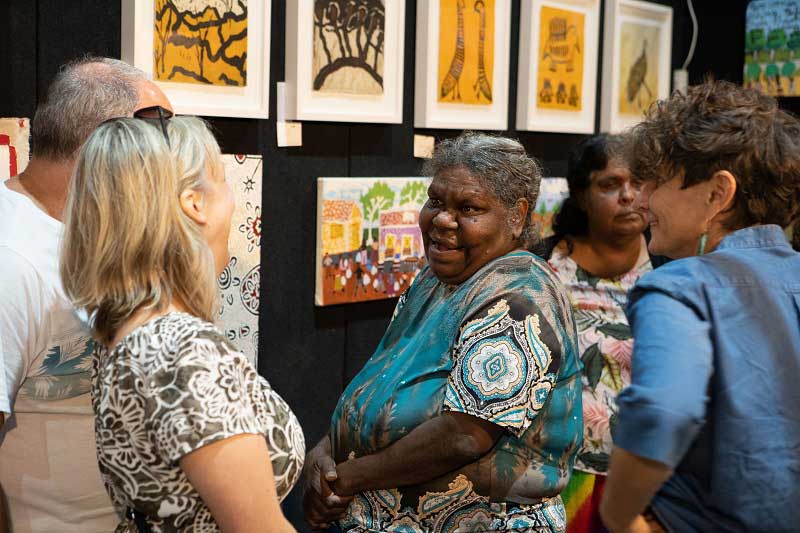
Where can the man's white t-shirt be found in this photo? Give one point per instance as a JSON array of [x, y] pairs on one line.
[[48, 463]]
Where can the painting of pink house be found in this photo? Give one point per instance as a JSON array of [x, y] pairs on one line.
[[399, 234]]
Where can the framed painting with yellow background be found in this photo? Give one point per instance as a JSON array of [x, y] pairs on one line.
[[211, 57], [558, 65], [636, 61], [462, 64], [344, 60]]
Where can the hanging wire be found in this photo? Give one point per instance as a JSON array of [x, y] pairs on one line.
[[690, 55]]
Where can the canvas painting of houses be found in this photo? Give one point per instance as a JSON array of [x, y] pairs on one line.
[[552, 193], [369, 245]]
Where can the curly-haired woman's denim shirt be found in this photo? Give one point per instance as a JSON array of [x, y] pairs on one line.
[[715, 390]]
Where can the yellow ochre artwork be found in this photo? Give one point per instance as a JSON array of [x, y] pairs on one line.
[[201, 41], [560, 76], [638, 67], [466, 51]]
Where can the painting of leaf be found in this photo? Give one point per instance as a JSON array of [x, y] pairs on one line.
[[619, 331], [596, 461], [201, 41], [593, 365]]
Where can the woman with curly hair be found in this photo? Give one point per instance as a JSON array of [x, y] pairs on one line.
[[708, 437]]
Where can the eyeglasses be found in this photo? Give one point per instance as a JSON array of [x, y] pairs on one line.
[[155, 115]]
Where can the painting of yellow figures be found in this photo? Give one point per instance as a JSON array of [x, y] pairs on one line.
[[466, 51], [201, 41], [560, 76], [638, 67], [348, 46]]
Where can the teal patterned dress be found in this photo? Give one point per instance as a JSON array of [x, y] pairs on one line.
[[501, 346]]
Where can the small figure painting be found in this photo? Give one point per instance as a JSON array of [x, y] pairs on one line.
[[552, 193], [201, 41], [369, 245], [14, 146], [561, 35], [240, 282], [466, 51], [638, 67], [349, 46]]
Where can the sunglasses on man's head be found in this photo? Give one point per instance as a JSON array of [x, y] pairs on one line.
[[155, 115]]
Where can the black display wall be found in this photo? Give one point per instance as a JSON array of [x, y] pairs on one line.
[[308, 353]]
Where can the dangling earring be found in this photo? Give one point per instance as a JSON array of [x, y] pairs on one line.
[[701, 246]]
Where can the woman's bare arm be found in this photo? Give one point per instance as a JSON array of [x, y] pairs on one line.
[[234, 478]]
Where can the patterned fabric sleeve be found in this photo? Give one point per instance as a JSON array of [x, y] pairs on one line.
[[201, 396], [503, 370], [287, 446]]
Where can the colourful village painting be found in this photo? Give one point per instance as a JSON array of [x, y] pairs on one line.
[[772, 47], [369, 245], [552, 193]]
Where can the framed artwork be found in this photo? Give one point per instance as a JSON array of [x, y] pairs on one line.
[[369, 245], [344, 60], [637, 53], [14, 146], [240, 282], [558, 65], [210, 57], [462, 64], [552, 193], [772, 47]]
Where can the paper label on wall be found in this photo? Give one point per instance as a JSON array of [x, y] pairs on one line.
[[369, 245], [423, 146], [240, 282], [14, 146]]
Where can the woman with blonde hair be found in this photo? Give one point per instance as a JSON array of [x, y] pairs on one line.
[[184, 425]]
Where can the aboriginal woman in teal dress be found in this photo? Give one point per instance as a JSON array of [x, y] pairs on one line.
[[468, 415]]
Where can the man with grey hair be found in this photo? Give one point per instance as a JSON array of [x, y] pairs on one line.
[[48, 465]]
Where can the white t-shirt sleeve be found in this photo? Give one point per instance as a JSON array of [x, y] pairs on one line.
[[21, 317]]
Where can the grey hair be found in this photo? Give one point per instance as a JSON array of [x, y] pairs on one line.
[[500, 163], [84, 93]]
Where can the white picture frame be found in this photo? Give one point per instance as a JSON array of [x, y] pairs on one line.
[[249, 101], [428, 111], [305, 103], [531, 115], [647, 17]]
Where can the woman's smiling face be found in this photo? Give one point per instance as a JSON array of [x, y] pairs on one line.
[[464, 225]]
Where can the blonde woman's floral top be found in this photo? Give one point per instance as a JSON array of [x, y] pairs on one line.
[[172, 386], [606, 346]]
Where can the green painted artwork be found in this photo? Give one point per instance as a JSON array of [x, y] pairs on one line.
[[772, 47]]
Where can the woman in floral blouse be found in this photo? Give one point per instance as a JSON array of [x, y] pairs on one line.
[[189, 437], [598, 253]]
